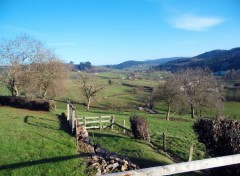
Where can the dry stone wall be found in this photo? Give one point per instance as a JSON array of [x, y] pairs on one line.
[[101, 160]]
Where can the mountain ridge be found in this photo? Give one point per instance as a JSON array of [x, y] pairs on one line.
[[146, 64], [216, 60]]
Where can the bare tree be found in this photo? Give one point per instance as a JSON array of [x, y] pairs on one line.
[[49, 77], [232, 75], [30, 68], [89, 87], [15, 57], [199, 89], [168, 92]]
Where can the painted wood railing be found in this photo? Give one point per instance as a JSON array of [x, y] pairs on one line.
[[183, 167], [98, 122]]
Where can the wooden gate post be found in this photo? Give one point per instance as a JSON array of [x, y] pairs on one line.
[[112, 122], [73, 118], [70, 115], [190, 153], [84, 120], [76, 126], [68, 110], [100, 123]]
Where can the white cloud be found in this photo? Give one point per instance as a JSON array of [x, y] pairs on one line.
[[195, 23]]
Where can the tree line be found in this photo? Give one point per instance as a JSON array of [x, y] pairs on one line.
[[82, 66]]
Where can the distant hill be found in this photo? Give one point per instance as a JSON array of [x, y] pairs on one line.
[[127, 64], [216, 60], [142, 65]]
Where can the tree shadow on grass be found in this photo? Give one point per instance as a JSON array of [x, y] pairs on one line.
[[100, 135], [42, 161], [145, 163], [63, 123], [38, 123]]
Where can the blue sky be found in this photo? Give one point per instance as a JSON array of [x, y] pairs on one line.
[[113, 31]]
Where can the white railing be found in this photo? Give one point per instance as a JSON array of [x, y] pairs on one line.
[[90, 122], [183, 167], [96, 122]]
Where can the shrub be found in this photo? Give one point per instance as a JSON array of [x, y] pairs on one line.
[[139, 128], [25, 103], [221, 137]]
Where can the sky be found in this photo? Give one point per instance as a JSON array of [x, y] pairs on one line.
[[108, 32]]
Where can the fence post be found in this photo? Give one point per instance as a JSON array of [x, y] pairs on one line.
[[164, 142], [68, 110], [84, 120], [73, 118], [112, 122], [100, 123], [77, 131], [124, 125], [190, 153], [70, 115]]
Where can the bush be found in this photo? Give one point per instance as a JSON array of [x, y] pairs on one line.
[[139, 128], [221, 137], [25, 103]]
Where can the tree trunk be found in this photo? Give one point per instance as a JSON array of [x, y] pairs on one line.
[[44, 94], [13, 95], [14, 91], [192, 111], [168, 113], [88, 103], [12, 87]]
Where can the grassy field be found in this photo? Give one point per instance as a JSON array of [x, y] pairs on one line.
[[179, 130], [232, 110], [119, 101], [3, 90], [36, 143], [136, 150]]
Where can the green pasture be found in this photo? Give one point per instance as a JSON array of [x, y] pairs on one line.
[[118, 100], [232, 110], [36, 143], [112, 75], [4, 91], [136, 150], [178, 130]]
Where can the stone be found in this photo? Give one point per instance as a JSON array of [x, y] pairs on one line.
[[112, 166], [111, 161], [99, 172], [103, 163], [124, 167], [95, 165], [95, 158]]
